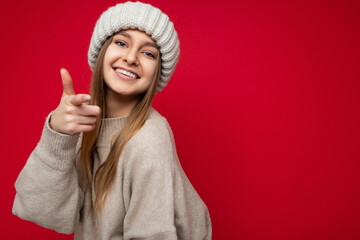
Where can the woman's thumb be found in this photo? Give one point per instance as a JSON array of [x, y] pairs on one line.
[[66, 82]]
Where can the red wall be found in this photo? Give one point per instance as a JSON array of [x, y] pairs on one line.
[[264, 106]]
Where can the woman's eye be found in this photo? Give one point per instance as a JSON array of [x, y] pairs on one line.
[[120, 43], [150, 54]]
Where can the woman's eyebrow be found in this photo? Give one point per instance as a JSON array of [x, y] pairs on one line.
[[150, 44]]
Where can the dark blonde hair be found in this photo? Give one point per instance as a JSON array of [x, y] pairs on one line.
[[105, 174]]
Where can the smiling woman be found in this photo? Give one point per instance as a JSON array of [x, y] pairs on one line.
[[129, 67], [106, 165]]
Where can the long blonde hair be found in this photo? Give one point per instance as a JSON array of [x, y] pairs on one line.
[[105, 174]]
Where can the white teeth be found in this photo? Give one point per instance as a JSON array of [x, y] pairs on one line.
[[126, 73]]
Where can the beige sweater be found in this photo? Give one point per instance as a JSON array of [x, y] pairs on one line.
[[151, 197]]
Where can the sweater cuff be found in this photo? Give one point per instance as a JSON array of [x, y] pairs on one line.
[[57, 149]]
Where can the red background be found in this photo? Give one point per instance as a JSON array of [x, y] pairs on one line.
[[264, 106]]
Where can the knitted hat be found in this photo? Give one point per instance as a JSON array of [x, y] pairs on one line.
[[146, 18]]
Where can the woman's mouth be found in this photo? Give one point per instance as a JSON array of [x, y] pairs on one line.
[[125, 74]]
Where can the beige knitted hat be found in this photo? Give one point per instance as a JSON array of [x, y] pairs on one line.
[[144, 17]]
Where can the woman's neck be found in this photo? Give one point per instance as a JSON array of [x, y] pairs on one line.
[[118, 105]]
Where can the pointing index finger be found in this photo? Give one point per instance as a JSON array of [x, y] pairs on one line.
[[79, 99]]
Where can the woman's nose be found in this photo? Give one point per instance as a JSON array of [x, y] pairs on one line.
[[131, 57]]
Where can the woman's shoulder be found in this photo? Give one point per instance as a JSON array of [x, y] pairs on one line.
[[154, 115], [154, 131], [153, 142]]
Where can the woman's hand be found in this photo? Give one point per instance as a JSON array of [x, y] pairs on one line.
[[73, 115]]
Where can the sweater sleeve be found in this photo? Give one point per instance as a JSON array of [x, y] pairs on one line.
[[149, 187], [47, 188]]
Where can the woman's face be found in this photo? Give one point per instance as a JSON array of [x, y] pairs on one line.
[[130, 63]]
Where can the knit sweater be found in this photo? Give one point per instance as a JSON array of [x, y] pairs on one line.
[[151, 197]]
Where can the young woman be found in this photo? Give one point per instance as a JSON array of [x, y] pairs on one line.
[[106, 165]]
